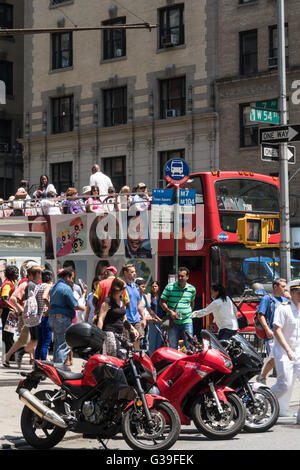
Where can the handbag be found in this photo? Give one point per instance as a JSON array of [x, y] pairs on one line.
[[243, 320], [167, 321]]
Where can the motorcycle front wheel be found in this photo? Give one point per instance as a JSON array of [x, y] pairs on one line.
[[263, 413], [38, 432], [215, 425], [161, 435]]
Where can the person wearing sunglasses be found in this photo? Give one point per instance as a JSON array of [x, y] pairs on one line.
[[94, 203], [112, 317]]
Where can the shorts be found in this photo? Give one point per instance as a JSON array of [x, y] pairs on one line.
[[33, 333], [140, 329], [24, 334]]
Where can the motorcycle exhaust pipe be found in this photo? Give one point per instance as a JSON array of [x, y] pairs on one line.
[[40, 409]]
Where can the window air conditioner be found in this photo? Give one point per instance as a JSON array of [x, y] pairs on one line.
[[171, 113]]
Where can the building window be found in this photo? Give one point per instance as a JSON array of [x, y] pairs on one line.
[[171, 26], [6, 16], [242, 2], [248, 129], [248, 52], [62, 176], [273, 46], [115, 168], [6, 74], [115, 106], [62, 50], [172, 97], [114, 40], [163, 158], [5, 136], [56, 2], [62, 114]]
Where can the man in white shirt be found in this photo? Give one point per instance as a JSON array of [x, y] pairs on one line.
[[286, 327], [101, 180]]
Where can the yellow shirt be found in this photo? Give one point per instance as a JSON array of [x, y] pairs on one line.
[[98, 292], [6, 290]]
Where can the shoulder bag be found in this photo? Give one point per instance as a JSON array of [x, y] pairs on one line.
[[243, 320], [167, 320]]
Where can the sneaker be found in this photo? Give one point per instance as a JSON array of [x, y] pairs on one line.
[[288, 414], [261, 379]]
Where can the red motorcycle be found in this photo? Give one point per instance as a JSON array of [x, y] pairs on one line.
[[188, 382], [106, 398]]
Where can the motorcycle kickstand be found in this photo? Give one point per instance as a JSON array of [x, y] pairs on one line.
[[103, 446]]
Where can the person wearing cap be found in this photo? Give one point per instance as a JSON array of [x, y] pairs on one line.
[[286, 349], [85, 194], [141, 201], [103, 288]]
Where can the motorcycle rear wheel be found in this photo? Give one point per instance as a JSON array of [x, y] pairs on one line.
[[262, 415], [38, 432], [209, 422], [162, 436]]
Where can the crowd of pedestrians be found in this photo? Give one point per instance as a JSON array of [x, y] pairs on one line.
[[98, 197], [118, 304]]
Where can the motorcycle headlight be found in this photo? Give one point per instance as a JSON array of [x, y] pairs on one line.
[[227, 362]]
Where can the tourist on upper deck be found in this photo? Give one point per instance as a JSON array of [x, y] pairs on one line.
[[44, 187], [101, 180]]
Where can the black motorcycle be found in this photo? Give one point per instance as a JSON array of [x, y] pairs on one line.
[[262, 407]]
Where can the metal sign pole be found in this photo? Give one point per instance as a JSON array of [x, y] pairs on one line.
[[176, 230], [285, 255]]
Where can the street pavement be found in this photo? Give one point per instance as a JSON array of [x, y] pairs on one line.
[[285, 433]]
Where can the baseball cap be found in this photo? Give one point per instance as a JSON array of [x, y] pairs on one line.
[[294, 285], [30, 264], [111, 268], [86, 189], [141, 185]]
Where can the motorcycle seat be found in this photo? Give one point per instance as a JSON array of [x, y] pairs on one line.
[[69, 375]]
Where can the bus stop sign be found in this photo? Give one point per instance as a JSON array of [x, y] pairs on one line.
[[176, 171]]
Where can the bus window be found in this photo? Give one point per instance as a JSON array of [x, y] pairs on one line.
[[194, 182], [245, 195]]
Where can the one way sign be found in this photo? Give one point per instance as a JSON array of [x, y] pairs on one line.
[[270, 153], [280, 134]]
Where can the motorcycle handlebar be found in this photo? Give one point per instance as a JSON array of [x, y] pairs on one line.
[[192, 341], [125, 343]]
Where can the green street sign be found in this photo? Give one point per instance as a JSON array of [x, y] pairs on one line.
[[270, 105], [260, 115]]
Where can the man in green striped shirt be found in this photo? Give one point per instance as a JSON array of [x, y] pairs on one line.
[[177, 300]]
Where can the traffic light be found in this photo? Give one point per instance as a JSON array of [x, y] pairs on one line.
[[253, 230]]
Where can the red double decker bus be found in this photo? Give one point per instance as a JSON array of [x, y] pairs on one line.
[[218, 256]]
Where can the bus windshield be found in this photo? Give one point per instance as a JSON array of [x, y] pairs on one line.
[[239, 268], [246, 195]]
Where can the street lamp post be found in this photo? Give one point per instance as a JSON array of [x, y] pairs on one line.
[[285, 255]]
